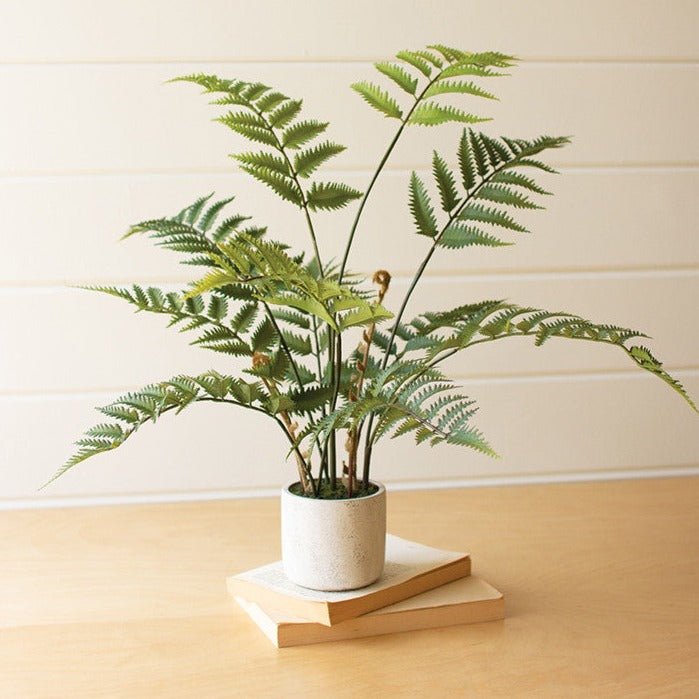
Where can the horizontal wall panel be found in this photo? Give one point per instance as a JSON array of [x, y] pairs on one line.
[[81, 30], [543, 427], [73, 340], [65, 230], [124, 118]]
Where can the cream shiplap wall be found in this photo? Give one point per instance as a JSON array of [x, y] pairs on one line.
[[91, 139]]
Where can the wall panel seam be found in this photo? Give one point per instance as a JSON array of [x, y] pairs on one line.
[[431, 277], [571, 168], [8, 64], [526, 478], [680, 371]]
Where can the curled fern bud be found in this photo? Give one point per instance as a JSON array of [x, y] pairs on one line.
[[259, 360], [382, 278]]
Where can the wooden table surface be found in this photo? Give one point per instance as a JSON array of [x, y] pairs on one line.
[[601, 582]]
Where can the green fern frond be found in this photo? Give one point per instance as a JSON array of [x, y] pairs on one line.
[[253, 132], [421, 208], [308, 161], [298, 344], [410, 394], [491, 215], [433, 114], [416, 60], [282, 185], [399, 76], [494, 320], [517, 179], [263, 159], [281, 117], [457, 236], [379, 99], [330, 195], [147, 405], [302, 132], [461, 87], [643, 357], [501, 194], [445, 182]]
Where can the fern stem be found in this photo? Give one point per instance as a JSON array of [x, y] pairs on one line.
[[363, 200], [355, 224], [284, 344], [378, 171], [295, 178], [399, 316], [455, 350]]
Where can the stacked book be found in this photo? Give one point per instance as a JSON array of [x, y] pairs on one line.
[[421, 588]]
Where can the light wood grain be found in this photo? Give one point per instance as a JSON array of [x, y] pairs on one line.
[[234, 30], [130, 601]]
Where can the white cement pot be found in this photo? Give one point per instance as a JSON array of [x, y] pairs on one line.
[[334, 544]]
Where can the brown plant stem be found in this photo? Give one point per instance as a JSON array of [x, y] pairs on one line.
[[383, 279]]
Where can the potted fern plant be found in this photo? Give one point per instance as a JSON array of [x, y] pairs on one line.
[[321, 356]]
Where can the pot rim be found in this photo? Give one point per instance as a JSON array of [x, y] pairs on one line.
[[381, 489]]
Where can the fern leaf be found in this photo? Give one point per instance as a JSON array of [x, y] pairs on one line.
[[190, 214], [399, 76], [308, 161], [504, 195], [264, 337], [459, 236], [330, 195], [253, 91], [421, 208], [432, 114], [467, 164], [297, 344], [301, 132], [244, 317], [491, 215], [307, 305], [263, 159], [364, 315], [445, 182], [442, 87], [207, 220], [233, 348], [215, 279], [270, 100], [379, 99], [285, 187], [529, 162], [309, 399], [292, 318], [479, 153], [468, 69], [416, 61], [254, 129], [285, 114], [450, 54], [518, 180], [218, 308], [643, 357]]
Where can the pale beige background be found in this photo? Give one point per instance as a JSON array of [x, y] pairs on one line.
[[91, 139]]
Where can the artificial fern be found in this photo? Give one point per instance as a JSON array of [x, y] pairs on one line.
[[285, 317]]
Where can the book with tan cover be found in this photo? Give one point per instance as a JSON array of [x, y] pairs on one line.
[[410, 569], [467, 601]]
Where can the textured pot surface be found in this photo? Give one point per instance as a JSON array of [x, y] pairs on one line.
[[334, 544]]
